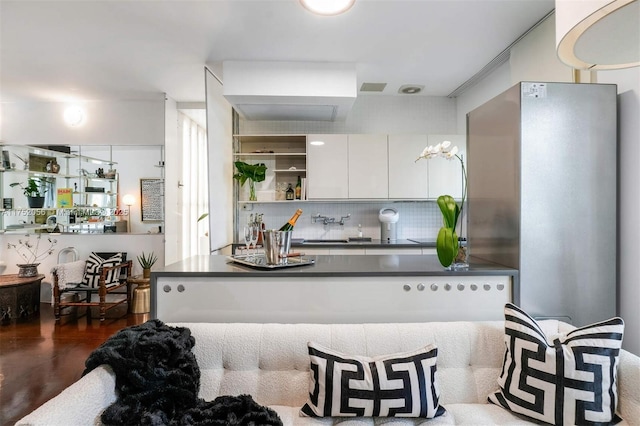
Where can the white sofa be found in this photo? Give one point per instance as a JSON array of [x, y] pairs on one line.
[[271, 363]]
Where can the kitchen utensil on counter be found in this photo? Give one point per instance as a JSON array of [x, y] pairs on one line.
[[276, 245], [388, 218]]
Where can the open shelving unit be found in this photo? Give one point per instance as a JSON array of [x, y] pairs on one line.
[[284, 155]]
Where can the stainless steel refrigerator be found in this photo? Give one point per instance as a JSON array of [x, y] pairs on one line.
[[543, 195]]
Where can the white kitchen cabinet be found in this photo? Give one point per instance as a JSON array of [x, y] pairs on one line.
[[368, 166], [408, 179], [445, 176], [327, 165]]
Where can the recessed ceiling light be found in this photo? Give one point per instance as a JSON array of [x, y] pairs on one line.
[[410, 89], [327, 7], [317, 143]]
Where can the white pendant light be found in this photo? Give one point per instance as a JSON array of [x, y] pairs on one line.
[[598, 34], [328, 7]]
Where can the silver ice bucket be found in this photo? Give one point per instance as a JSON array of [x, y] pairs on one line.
[[276, 246]]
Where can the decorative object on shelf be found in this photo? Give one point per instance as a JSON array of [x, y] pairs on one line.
[[31, 253], [52, 166], [147, 262], [251, 172], [450, 254], [35, 190], [25, 163]]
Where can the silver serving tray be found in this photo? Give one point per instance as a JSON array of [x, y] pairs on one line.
[[260, 261]]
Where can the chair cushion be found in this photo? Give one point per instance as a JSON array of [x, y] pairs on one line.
[[569, 380], [396, 385], [94, 266]]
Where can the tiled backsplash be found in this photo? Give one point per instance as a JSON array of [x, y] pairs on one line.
[[417, 219]]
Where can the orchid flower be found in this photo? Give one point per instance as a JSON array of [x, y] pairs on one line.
[[447, 241]]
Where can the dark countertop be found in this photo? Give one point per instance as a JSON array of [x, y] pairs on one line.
[[360, 244], [329, 266]]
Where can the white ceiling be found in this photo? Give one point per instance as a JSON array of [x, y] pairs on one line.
[[115, 49]]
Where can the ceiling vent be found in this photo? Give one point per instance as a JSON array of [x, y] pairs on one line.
[[372, 87], [410, 89], [299, 91]]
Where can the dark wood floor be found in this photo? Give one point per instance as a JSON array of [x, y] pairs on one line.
[[38, 359]]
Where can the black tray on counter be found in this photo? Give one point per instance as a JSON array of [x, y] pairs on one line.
[[260, 261]]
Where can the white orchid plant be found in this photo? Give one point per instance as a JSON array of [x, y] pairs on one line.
[[447, 244]]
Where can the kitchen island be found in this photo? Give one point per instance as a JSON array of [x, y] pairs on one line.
[[334, 289]]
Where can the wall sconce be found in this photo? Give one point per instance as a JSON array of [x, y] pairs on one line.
[[128, 201], [74, 116]]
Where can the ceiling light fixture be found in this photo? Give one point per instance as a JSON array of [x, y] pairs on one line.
[[598, 35], [327, 7]]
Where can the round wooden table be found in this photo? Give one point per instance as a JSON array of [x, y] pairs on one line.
[[141, 294], [19, 298]]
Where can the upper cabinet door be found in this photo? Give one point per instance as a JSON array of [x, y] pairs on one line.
[[327, 165], [445, 176], [368, 166], [408, 179]]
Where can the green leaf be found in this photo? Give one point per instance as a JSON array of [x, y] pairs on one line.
[[202, 216], [255, 172], [447, 246], [450, 210]]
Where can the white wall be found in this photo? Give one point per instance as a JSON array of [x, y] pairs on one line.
[[126, 122], [628, 82], [172, 167], [537, 52], [219, 137], [133, 245]]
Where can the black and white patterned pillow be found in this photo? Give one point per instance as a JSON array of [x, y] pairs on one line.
[[93, 267], [569, 381], [396, 385]]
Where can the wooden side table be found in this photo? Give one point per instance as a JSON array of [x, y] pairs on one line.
[[141, 294], [19, 298]]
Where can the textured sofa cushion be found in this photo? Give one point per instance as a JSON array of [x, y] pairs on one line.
[[93, 268], [395, 385], [569, 380]]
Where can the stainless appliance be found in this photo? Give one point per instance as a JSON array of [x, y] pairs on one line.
[[542, 195], [388, 218]]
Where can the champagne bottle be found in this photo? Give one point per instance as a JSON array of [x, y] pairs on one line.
[[298, 188], [292, 222]]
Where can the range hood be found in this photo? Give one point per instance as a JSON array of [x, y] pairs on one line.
[[302, 91]]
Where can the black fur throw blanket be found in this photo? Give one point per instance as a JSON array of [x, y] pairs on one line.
[[158, 378]]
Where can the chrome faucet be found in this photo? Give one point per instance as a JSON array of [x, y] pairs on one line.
[[328, 220]]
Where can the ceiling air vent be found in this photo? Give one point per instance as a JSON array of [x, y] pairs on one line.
[[372, 87]]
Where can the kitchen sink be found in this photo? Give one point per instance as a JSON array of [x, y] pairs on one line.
[[326, 241]]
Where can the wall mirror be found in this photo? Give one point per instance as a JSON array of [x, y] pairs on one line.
[[82, 189]]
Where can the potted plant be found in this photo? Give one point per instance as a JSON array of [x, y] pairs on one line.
[[35, 190], [450, 254], [251, 172], [147, 262]]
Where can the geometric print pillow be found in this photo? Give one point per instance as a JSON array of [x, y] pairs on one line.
[[569, 381], [396, 385], [94, 266]]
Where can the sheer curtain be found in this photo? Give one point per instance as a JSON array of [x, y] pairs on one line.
[[194, 187]]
